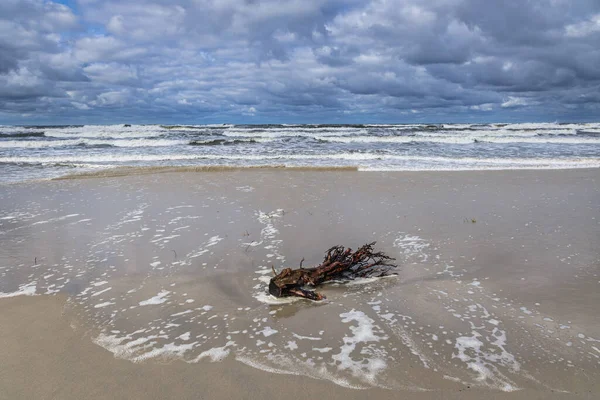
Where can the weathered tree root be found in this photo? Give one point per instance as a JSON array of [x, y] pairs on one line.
[[340, 263]]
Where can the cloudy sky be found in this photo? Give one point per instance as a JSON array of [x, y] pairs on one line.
[[270, 61]]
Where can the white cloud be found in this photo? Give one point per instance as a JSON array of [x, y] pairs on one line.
[[97, 48], [80, 106], [57, 17], [115, 25], [112, 98], [584, 28], [23, 78], [515, 102], [111, 73], [483, 107]]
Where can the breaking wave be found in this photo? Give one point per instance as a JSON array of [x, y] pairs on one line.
[[366, 147]]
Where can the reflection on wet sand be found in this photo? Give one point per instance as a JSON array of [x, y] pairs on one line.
[[176, 266]]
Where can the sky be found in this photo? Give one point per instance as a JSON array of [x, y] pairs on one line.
[[299, 61]]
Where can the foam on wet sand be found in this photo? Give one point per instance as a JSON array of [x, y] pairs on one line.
[[486, 305]]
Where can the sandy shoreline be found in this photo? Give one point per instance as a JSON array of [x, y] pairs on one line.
[[47, 356], [498, 288]]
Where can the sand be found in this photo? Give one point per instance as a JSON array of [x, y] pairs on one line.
[[145, 285]]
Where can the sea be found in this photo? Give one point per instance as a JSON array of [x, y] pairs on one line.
[[46, 152]]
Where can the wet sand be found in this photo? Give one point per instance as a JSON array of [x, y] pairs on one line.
[[153, 286]]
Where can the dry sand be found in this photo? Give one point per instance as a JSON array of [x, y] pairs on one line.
[[150, 278]]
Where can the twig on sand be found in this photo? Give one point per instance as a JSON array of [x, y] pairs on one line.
[[339, 263]]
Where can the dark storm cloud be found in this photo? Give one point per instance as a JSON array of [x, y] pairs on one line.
[[298, 60]]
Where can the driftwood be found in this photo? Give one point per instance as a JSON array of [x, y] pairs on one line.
[[340, 263]]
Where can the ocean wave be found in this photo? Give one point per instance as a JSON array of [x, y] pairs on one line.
[[477, 164], [292, 131], [52, 126], [106, 131], [553, 125], [276, 131], [526, 126], [195, 127], [21, 134], [224, 142], [404, 130], [91, 143], [589, 131], [470, 139], [51, 150], [135, 142], [541, 139], [105, 171], [502, 132], [356, 156]]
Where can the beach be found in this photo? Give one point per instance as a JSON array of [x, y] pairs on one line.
[[151, 283]]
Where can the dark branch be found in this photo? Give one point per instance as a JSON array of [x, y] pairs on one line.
[[340, 263]]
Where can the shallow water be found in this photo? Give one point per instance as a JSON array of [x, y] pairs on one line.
[[176, 266]]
